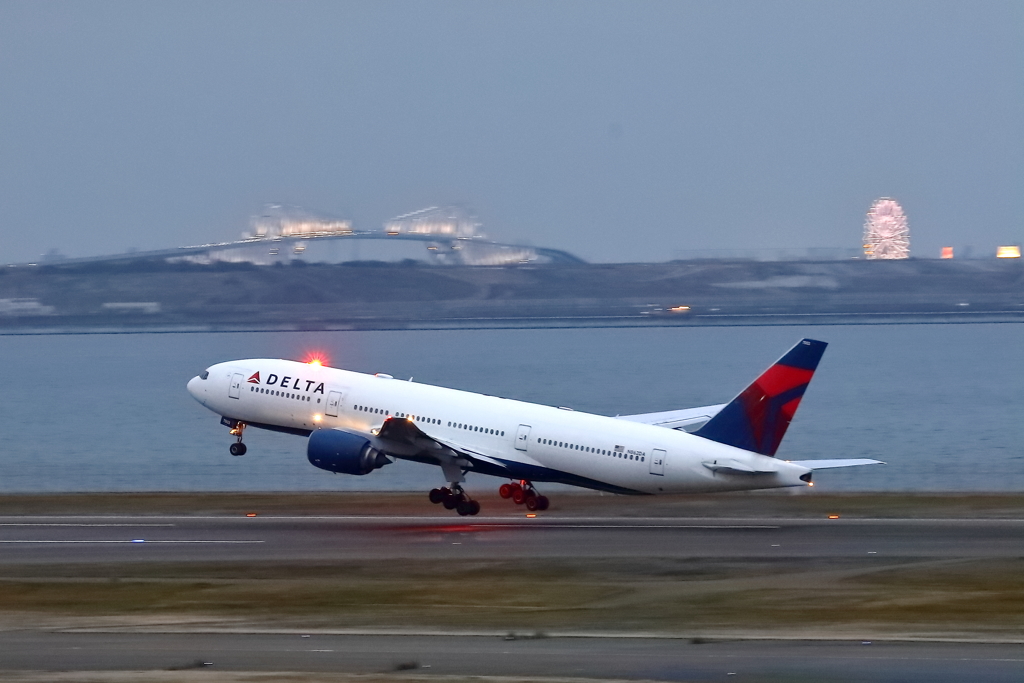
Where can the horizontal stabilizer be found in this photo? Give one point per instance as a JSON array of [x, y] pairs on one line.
[[833, 464], [687, 419]]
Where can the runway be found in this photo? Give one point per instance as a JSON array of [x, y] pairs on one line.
[[636, 658], [802, 561], [283, 538]]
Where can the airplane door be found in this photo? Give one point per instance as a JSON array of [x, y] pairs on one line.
[[235, 388], [658, 462], [333, 401], [522, 437]]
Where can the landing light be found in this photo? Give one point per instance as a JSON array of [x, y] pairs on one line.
[[317, 418]]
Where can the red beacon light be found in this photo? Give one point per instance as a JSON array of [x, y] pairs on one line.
[[316, 359]]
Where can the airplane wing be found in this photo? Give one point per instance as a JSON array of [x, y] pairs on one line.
[[687, 420], [833, 464], [403, 437]]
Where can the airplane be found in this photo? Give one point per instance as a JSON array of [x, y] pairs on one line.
[[357, 423]]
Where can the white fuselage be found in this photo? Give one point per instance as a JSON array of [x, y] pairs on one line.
[[552, 444]]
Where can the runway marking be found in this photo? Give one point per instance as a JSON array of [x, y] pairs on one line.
[[543, 525], [136, 541], [71, 524], [549, 520]]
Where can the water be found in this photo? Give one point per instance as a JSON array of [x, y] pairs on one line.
[[942, 404]]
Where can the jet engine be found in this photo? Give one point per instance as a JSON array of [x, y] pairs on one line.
[[337, 451]]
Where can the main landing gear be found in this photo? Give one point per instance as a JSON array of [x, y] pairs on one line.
[[238, 448], [455, 498], [523, 493]]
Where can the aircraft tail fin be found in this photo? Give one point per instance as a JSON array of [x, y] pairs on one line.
[[757, 419]]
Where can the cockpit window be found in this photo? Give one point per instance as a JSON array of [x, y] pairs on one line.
[[204, 374]]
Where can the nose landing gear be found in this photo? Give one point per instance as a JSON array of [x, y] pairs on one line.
[[523, 492], [237, 448], [455, 498]]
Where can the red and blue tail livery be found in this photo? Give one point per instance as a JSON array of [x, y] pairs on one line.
[[757, 419]]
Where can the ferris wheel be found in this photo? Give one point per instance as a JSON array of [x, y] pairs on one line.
[[886, 235]]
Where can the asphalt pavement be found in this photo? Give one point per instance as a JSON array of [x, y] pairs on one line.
[[39, 540], [628, 658], [239, 538]]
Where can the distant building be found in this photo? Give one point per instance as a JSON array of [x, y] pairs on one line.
[[947, 252], [289, 221], [447, 221], [1010, 251]]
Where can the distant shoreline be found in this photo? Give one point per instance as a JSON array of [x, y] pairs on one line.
[[772, 320], [158, 297]]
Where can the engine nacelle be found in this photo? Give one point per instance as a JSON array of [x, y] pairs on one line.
[[337, 451]]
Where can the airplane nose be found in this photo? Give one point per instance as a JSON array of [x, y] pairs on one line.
[[194, 388]]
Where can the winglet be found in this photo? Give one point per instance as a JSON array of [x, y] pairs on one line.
[[757, 419]]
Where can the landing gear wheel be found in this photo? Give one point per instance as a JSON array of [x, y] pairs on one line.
[[455, 498], [523, 493], [237, 429]]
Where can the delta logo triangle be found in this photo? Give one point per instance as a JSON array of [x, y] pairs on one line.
[[255, 379]]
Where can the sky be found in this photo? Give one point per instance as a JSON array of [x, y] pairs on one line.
[[619, 131]]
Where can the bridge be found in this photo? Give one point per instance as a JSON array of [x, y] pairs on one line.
[[281, 235]]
